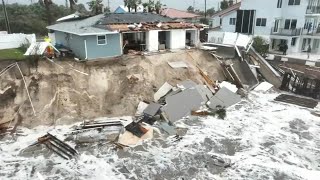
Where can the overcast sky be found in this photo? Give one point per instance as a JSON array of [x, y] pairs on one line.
[[178, 4]]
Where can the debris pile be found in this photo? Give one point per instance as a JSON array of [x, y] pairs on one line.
[[300, 101], [59, 147]]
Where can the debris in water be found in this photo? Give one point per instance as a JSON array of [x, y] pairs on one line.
[[300, 101], [59, 147], [223, 98]]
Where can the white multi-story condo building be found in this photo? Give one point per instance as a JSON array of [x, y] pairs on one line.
[[294, 22]]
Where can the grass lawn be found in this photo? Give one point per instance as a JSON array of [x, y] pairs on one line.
[[11, 54]]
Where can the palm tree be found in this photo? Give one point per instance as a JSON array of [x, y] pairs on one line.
[[127, 3], [95, 6], [72, 4], [158, 7], [47, 4], [136, 4], [132, 3]]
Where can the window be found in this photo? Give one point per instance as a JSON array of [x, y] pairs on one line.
[[261, 22], [279, 5], [232, 21], [290, 24], [294, 2], [293, 41], [316, 44], [245, 21], [102, 40]]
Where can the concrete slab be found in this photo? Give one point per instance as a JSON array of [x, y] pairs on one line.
[[243, 71], [163, 90], [168, 129], [178, 64], [204, 92], [311, 63], [141, 107], [180, 105], [152, 109], [186, 84], [225, 98], [208, 48], [297, 100], [264, 86], [229, 86]]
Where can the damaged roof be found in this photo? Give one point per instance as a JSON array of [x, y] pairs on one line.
[[228, 10], [175, 13], [131, 18], [148, 26], [114, 23], [81, 27]]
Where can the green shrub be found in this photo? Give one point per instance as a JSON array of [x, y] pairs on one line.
[[260, 45]]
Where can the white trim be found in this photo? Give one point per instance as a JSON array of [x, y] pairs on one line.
[[131, 32], [85, 48], [106, 41], [121, 42], [102, 33], [85, 34]]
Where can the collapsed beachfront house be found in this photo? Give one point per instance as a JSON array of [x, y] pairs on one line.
[[111, 35]]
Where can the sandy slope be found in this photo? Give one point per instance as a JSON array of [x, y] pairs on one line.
[[62, 95]]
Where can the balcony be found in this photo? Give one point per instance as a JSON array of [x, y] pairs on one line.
[[286, 32], [313, 10], [311, 32]]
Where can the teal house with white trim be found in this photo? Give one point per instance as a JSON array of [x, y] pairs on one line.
[[112, 35]]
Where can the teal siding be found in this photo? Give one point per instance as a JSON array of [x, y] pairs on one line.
[[73, 42], [61, 38], [94, 51], [111, 49], [76, 44]]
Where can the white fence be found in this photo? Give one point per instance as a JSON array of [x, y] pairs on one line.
[[8, 41]]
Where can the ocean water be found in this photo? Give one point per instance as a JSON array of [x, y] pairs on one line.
[[262, 139]]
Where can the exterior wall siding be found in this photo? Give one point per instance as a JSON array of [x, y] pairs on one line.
[[215, 22], [111, 49], [152, 40], [268, 9], [226, 22], [61, 38], [73, 42], [178, 39], [295, 12], [264, 9], [77, 45]]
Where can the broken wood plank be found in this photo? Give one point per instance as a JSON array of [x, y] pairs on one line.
[[65, 145]]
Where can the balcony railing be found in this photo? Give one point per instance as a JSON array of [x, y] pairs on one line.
[[313, 10], [286, 32], [311, 32]]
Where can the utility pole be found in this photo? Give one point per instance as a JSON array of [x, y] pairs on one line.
[[6, 17], [109, 5], [205, 9]]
